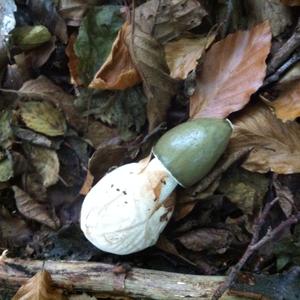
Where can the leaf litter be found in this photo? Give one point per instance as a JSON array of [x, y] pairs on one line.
[[84, 88]]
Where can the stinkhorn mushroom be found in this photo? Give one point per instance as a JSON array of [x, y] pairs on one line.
[[128, 208]]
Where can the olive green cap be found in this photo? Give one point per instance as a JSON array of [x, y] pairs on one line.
[[191, 149]]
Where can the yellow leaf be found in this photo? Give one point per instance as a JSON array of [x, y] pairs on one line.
[[43, 117], [39, 287], [276, 145], [233, 69]]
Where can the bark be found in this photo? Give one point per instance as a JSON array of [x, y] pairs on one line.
[[97, 278]]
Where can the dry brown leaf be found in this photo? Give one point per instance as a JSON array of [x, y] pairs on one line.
[[168, 19], [287, 105], [88, 183], [33, 210], [278, 15], [118, 71], [276, 145], [182, 55], [291, 2], [39, 287], [73, 61], [233, 69], [157, 22]]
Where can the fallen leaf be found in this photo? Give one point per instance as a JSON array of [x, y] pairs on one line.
[[39, 287], [73, 10], [6, 132], [224, 84], [118, 71], [182, 55], [45, 89], [245, 189], [276, 145], [275, 12], [29, 37], [9, 225], [88, 183], [100, 134], [291, 2], [45, 162], [6, 169], [32, 184], [157, 22], [43, 117], [165, 245], [285, 197], [287, 105], [73, 61], [167, 19], [159, 87], [124, 109], [215, 240], [33, 210], [104, 158], [45, 12], [97, 32]]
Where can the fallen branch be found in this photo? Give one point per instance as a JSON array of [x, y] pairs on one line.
[[98, 278]]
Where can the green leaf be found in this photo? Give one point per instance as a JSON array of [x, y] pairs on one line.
[[96, 34], [43, 117], [6, 133], [6, 170], [29, 37], [45, 162]]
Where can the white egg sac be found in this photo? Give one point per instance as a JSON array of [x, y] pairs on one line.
[[128, 208]]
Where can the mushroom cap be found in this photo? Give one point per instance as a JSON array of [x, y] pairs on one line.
[[190, 150], [126, 210]]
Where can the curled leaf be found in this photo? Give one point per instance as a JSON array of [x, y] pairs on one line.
[[233, 69], [33, 210], [276, 145], [43, 117], [39, 287], [118, 71]]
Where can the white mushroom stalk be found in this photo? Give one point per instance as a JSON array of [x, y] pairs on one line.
[[128, 208]]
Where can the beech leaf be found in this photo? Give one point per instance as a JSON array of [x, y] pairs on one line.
[[33, 210], [45, 89], [276, 145], [45, 162], [287, 105], [118, 71], [39, 287], [43, 117], [233, 69], [182, 55]]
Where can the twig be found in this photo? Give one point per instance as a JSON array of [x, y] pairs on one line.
[[282, 70], [256, 244], [285, 50]]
